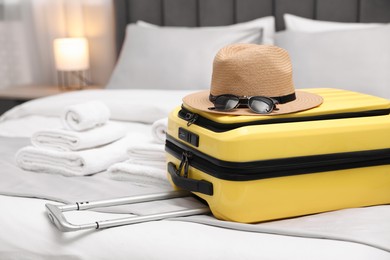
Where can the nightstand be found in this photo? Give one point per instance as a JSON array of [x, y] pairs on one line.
[[13, 96]]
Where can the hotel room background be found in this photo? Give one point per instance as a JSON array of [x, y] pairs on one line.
[[33, 25], [352, 52]]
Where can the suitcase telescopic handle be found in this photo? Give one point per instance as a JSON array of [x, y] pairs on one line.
[[55, 212], [188, 184]]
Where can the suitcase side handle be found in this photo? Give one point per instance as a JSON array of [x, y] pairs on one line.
[[192, 185]]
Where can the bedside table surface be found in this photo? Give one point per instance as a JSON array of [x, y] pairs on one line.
[[32, 92]]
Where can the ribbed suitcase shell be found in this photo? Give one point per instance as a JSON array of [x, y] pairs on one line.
[[255, 199]]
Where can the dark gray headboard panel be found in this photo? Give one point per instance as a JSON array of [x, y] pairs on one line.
[[223, 12]]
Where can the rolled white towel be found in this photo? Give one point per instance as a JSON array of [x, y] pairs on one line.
[[140, 174], [66, 140], [73, 163], [149, 154], [159, 130], [85, 115]]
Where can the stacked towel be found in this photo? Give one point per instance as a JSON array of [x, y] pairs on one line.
[[66, 140], [137, 173], [85, 116], [76, 163], [150, 154], [146, 162], [100, 144]]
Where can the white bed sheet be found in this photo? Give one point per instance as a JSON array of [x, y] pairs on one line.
[[27, 234]]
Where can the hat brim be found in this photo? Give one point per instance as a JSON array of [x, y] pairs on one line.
[[304, 101]]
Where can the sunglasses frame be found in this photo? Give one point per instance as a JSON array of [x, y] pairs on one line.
[[240, 102]]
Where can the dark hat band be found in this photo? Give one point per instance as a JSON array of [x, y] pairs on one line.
[[280, 99]]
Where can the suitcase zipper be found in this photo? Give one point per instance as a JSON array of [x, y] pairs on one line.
[[189, 117], [194, 118], [254, 170]]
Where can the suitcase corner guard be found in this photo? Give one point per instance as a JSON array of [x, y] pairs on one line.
[[187, 184]]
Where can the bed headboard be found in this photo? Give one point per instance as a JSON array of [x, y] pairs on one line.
[[223, 12]]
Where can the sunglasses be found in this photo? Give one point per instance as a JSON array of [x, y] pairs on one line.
[[257, 104]]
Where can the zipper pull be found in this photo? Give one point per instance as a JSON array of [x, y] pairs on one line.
[[184, 164], [188, 156], [191, 118]]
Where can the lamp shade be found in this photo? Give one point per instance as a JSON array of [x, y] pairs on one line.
[[71, 54]]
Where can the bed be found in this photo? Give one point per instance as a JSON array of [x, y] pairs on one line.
[[355, 233]]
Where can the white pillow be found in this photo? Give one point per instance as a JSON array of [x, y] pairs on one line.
[[267, 23], [173, 58], [300, 24], [357, 60]]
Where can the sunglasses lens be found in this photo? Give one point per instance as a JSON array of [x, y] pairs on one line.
[[226, 102], [261, 105]]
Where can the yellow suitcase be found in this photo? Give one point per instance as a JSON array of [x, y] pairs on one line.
[[258, 168]]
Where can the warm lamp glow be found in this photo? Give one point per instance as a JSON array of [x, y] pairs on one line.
[[71, 54]]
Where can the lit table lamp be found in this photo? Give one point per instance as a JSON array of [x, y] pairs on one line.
[[72, 62]]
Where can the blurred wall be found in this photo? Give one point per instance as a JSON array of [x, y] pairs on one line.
[[97, 18], [27, 31]]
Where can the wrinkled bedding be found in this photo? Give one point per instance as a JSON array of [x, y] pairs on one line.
[[26, 232]]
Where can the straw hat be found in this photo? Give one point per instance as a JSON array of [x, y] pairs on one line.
[[253, 70]]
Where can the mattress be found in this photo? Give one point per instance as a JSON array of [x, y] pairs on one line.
[[27, 233]]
